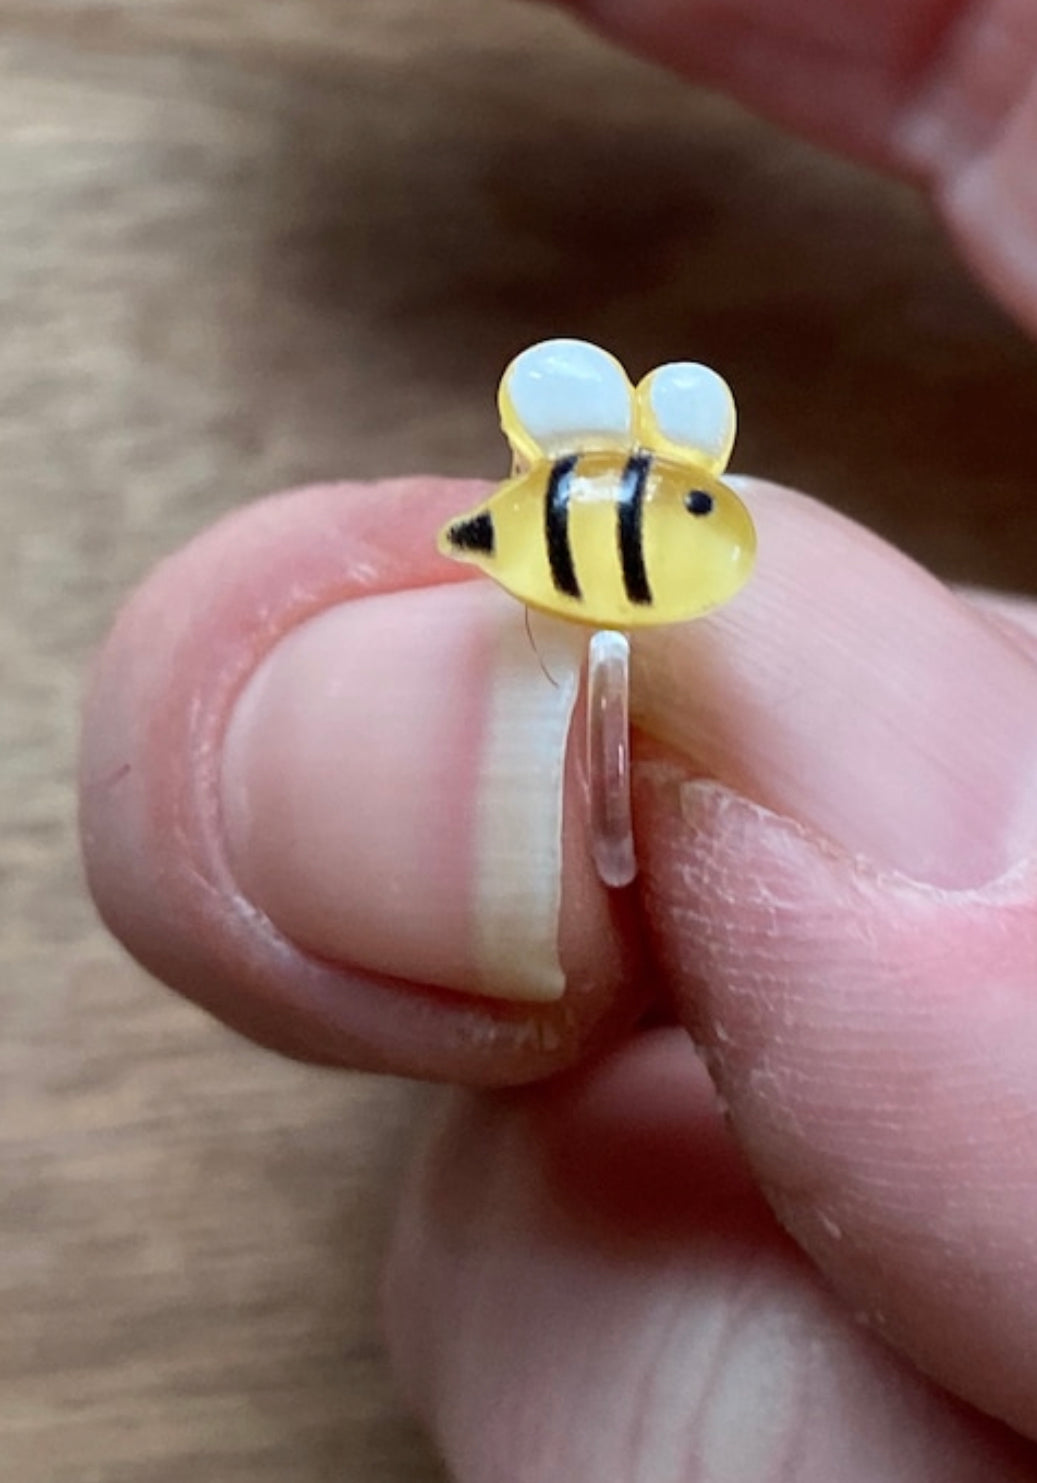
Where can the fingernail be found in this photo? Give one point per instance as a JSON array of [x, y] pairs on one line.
[[849, 690], [392, 788]]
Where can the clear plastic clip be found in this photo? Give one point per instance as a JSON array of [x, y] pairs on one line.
[[608, 758]]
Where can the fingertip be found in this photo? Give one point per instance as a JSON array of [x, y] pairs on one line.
[[857, 1027], [295, 902]]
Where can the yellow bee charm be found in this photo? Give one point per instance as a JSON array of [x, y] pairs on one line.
[[615, 515]]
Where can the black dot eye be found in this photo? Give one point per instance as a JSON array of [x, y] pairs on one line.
[[698, 502]]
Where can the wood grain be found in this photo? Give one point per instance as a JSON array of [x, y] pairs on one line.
[[243, 246]]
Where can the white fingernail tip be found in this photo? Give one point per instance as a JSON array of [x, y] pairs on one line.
[[518, 831]]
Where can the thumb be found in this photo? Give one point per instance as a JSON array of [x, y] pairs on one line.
[[846, 917]]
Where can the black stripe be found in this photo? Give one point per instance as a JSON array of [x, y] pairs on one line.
[[556, 527], [474, 534], [630, 506]]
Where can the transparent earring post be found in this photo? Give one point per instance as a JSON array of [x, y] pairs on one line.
[[608, 758]]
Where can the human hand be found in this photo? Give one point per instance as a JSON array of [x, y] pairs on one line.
[[586, 1281], [941, 92]]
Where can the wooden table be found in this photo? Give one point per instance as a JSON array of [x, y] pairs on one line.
[[248, 245]]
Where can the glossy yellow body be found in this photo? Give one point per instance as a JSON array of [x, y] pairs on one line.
[[679, 564]]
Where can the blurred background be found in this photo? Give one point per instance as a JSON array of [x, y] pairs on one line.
[[245, 246]]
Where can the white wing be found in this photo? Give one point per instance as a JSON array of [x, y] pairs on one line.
[[688, 408], [563, 396]]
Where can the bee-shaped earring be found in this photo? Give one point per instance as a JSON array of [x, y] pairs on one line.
[[615, 517]]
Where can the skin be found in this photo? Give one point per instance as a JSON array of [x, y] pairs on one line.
[[838, 907]]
